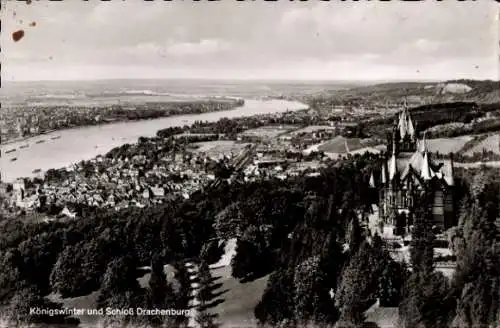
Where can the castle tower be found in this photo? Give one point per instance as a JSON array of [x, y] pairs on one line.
[[407, 134]]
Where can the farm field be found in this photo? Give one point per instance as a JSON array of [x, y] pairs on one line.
[[312, 128], [447, 145], [269, 131], [492, 143], [338, 144], [220, 147]]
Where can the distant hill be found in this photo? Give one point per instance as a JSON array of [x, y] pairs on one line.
[[419, 93], [428, 116]]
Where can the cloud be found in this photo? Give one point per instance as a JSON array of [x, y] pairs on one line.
[[426, 46], [204, 47], [284, 39]]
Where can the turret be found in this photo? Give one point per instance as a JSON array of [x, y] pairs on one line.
[[422, 146], [383, 174], [392, 161], [406, 135], [426, 173], [410, 128], [402, 124], [451, 173], [372, 181]]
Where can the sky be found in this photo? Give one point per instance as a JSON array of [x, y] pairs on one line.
[[314, 40]]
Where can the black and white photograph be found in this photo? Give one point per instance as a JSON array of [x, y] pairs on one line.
[[250, 164]]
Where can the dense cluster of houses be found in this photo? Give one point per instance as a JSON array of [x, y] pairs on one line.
[[140, 180], [121, 183], [137, 181]]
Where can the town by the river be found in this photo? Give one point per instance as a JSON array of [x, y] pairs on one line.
[[35, 155]]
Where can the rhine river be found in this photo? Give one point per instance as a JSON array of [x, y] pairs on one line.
[[85, 143]]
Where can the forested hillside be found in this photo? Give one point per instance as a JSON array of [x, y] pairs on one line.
[[304, 232]]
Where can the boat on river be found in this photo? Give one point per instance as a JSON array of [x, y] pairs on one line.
[[56, 137], [10, 151], [24, 146], [13, 159], [40, 141]]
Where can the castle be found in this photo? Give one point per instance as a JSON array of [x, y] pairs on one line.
[[406, 172]]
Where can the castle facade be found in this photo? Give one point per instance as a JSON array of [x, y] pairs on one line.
[[408, 171]]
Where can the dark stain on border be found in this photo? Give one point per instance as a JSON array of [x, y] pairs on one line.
[[17, 35]]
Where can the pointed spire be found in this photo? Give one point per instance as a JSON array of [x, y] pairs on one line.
[[372, 181], [402, 124], [450, 177], [394, 143], [383, 174], [426, 172], [392, 167], [423, 145], [392, 161], [410, 128]]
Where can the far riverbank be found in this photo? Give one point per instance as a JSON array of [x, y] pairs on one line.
[[132, 110]]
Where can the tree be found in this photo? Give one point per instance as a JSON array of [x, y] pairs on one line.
[[252, 258], [79, 269], [311, 297], [356, 236], [422, 244], [205, 320], [11, 278], [205, 291], [359, 286], [157, 282], [230, 221], [39, 254], [277, 302], [18, 313], [477, 280], [120, 276], [182, 296], [426, 301], [160, 293], [120, 290], [212, 251], [391, 283], [350, 318]]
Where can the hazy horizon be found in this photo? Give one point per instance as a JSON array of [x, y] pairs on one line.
[[321, 42], [256, 80]]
